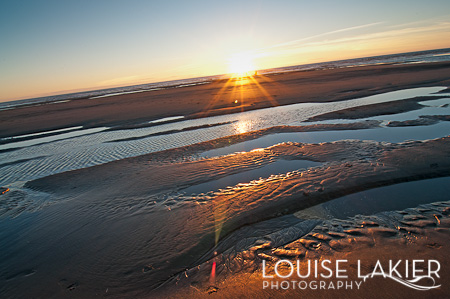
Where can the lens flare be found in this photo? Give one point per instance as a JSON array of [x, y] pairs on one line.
[[241, 64], [212, 279]]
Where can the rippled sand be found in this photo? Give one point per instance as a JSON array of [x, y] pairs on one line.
[[419, 233], [139, 230]]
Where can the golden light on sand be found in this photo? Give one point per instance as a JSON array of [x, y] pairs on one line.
[[241, 64], [242, 86]]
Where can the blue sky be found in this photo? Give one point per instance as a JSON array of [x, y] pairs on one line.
[[52, 47]]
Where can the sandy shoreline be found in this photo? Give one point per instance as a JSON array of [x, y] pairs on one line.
[[132, 228], [219, 97]]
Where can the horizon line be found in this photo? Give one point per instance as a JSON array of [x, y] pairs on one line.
[[89, 89]]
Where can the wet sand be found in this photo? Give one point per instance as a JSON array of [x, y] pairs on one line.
[[419, 233], [201, 224], [127, 229], [423, 120], [219, 97]]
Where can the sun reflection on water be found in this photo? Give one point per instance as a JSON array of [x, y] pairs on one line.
[[243, 126]]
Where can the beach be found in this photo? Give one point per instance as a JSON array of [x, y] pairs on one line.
[[182, 208]]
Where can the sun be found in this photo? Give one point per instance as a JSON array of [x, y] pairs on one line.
[[241, 64]]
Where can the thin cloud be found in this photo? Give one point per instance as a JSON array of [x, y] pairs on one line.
[[303, 44], [385, 34], [423, 22], [297, 41]]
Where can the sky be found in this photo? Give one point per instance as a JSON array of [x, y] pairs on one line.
[[54, 47]]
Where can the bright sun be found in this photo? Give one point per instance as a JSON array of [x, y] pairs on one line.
[[241, 64]]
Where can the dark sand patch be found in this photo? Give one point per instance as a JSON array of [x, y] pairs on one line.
[[447, 90], [145, 125], [412, 122], [25, 138], [375, 109], [438, 117], [424, 120]]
